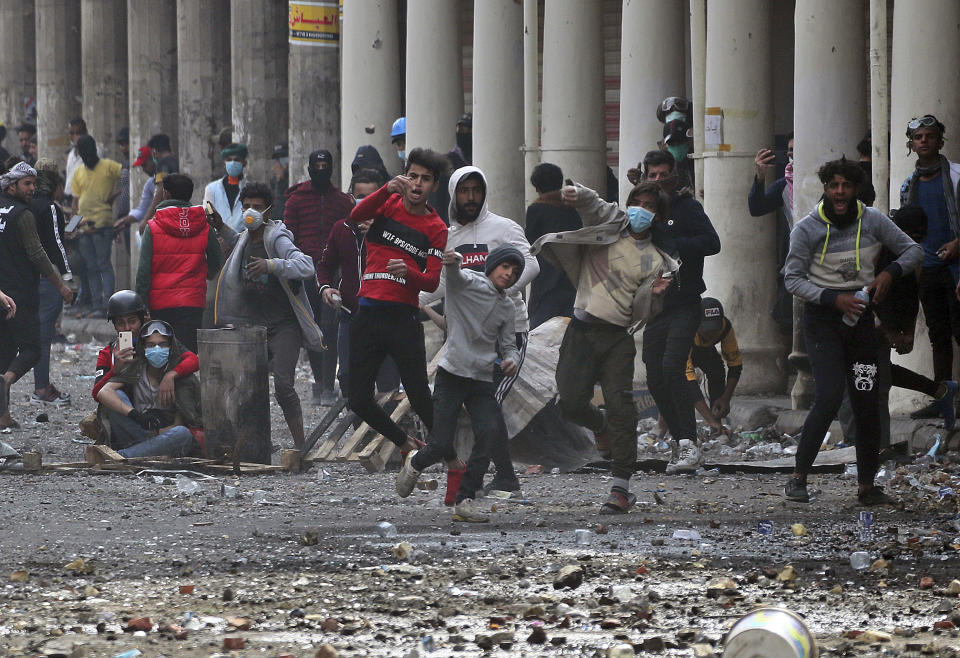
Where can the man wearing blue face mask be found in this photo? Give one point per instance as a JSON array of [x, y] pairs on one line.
[[264, 284], [224, 193], [138, 419], [621, 278]]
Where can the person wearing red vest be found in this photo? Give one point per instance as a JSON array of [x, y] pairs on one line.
[[177, 257]]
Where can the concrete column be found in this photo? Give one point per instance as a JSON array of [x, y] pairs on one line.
[[698, 75], [314, 83], [258, 58], [103, 56], [830, 91], [880, 104], [531, 95], [498, 103], [17, 66], [372, 99], [650, 30], [744, 275], [924, 80], [58, 75], [203, 84], [572, 131], [434, 74]]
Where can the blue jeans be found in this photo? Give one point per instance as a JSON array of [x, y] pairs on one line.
[[51, 304], [96, 248], [388, 378], [141, 442]]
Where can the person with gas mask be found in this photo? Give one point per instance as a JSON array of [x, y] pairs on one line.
[[138, 418], [621, 278], [313, 207], [224, 193], [264, 283], [178, 254]]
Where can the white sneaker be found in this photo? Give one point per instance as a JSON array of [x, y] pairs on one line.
[[467, 511], [407, 477], [689, 459]]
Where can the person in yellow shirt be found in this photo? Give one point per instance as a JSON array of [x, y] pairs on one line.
[[721, 383], [94, 188]]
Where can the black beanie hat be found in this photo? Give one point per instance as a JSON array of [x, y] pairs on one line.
[[501, 254]]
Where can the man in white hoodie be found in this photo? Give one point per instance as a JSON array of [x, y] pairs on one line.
[[474, 233]]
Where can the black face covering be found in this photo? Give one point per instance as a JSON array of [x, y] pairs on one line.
[[320, 177], [465, 142], [844, 220]]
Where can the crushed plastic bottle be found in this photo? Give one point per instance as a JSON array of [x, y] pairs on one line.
[[860, 560], [686, 534], [325, 476], [765, 527], [865, 525], [133, 653], [428, 644], [386, 529], [849, 471], [228, 491], [583, 537], [932, 452], [622, 593], [186, 486]]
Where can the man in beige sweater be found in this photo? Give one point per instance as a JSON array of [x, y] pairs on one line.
[[620, 277]]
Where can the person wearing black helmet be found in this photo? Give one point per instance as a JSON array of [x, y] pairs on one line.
[[127, 311], [138, 416]]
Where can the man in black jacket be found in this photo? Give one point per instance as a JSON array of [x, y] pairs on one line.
[[668, 336]]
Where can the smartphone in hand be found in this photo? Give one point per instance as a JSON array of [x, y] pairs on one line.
[[125, 340]]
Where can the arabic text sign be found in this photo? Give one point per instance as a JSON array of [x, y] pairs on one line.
[[314, 23]]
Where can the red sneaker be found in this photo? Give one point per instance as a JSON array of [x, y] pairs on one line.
[[454, 476]]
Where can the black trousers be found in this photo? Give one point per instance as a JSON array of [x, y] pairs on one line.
[[450, 394], [375, 333], [185, 321], [666, 346], [842, 357], [323, 364], [19, 340], [942, 313], [709, 361]]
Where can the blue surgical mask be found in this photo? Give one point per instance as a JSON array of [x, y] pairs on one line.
[[157, 356], [402, 155], [679, 152], [640, 218], [674, 116], [234, 168], [284, 161]]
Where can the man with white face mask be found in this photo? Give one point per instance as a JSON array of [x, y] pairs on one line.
[[264, 284], [178, 255]]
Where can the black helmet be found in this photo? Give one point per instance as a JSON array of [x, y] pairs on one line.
[[125, 302]]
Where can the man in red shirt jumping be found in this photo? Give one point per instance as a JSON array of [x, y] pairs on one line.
[[404, 246]]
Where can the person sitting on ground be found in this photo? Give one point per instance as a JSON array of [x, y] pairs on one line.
[[618, 274], [480, 318], [138, 418], [715, 328], [264, 284]]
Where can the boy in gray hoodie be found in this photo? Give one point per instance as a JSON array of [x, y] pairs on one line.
[[832, 257], [480, 321]]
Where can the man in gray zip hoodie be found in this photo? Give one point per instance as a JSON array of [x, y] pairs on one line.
[[480, 320], [474, 233], [833, 255]]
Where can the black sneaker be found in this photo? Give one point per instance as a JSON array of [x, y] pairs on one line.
[[932, 410], [875, 495], [796, 490], [497, 489]]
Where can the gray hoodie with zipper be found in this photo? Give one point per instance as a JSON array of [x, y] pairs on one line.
[[474, 240], [826, 260]]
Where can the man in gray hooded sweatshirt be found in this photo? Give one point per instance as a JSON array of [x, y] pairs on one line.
[[832, 258], [474, 233]]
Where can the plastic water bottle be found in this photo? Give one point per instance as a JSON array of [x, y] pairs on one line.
[[860, 560], [386, 529], [584, 536], [863, 296]]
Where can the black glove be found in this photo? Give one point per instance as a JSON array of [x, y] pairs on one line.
[[146, 420]]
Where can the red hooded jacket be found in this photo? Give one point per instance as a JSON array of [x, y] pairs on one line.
[[310, 216], [178, 273]]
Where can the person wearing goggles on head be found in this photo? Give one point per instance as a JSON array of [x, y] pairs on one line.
[[178, 255], [934, 185], [139, 418], [264, 283]]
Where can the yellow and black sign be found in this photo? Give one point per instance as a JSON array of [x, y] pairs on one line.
[[314, 23]]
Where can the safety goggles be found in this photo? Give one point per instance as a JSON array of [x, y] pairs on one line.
[[925, 121], [157, 327], [677, 103]]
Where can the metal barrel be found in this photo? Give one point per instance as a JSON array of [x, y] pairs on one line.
[[235, 390]]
